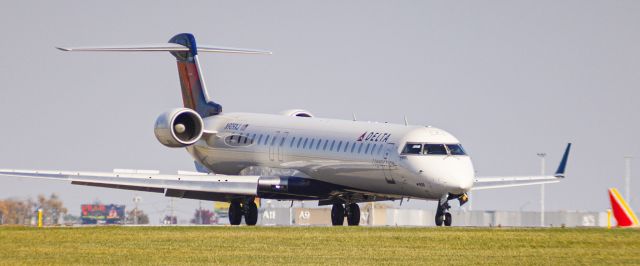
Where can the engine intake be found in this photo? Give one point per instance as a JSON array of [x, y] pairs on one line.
[[179, 128]]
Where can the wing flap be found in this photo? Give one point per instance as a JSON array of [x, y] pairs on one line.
[[126, 187]]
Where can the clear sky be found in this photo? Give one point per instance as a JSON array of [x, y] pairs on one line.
[[509, 78]]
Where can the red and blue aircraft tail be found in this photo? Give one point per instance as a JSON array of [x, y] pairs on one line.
[[194, 91]]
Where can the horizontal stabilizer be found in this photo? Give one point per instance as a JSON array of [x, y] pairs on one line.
[[161, 47]]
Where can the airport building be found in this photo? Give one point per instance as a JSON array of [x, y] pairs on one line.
[[391, 216]]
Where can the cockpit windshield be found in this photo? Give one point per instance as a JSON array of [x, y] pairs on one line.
[[433, 149], [436, 149], [456, 149], [412, 148]]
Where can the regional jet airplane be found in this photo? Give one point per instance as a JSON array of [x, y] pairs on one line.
[[294, 155]]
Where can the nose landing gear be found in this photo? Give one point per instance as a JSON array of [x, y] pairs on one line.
[[443, 216]]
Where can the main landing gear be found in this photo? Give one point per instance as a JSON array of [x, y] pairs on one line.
[[443, 216], [248, 209], [350, 210]]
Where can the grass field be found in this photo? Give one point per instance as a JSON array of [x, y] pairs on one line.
[[316, 245]]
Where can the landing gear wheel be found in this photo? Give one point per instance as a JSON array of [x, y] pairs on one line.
[[447, 219], [235, 213], [442, 213], [337, 214], [250, 213], [439, 219], [353, 214]]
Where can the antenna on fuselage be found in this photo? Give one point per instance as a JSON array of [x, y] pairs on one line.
[[406, 122], [354, 117]]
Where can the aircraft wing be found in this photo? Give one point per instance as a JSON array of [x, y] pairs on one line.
[[512, 181], [183, 185], [515, 181]]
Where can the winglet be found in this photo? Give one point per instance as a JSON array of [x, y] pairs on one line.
[[563, 163]]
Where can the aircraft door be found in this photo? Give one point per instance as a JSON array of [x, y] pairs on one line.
[[273, 146], [281, 148], [388, 164]]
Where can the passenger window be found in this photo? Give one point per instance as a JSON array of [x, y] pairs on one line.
[[339, 146], [311, 144], [435, 149], [412, 148], [266, 140], [299, 141], [373, 148], [360, 148], [304, 145], [282, 141], [456, 149], [318, 146], [324, 147], [380, 148], [260, 139], [367, 149], [273, 140], [345, 147], [332, 143], [292, 140], [353, 146]]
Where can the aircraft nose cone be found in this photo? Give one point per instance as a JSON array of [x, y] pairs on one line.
[[460, 183], [466, 183], [461, 178], [453, 175]]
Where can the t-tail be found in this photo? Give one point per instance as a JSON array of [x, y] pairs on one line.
[[184, 48], [621, 210]]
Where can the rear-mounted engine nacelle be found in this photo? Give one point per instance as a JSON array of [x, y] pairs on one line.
[[297, 112], [179, 128]]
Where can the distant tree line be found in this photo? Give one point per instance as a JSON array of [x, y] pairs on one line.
[[204, 216], [25, 212]]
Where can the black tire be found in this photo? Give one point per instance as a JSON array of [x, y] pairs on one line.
[[337, 215], [251, 213], [353, 214], [439, 219], [447, 219], [235, 213]]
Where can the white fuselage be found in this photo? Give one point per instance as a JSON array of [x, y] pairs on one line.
[[360, 155]]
